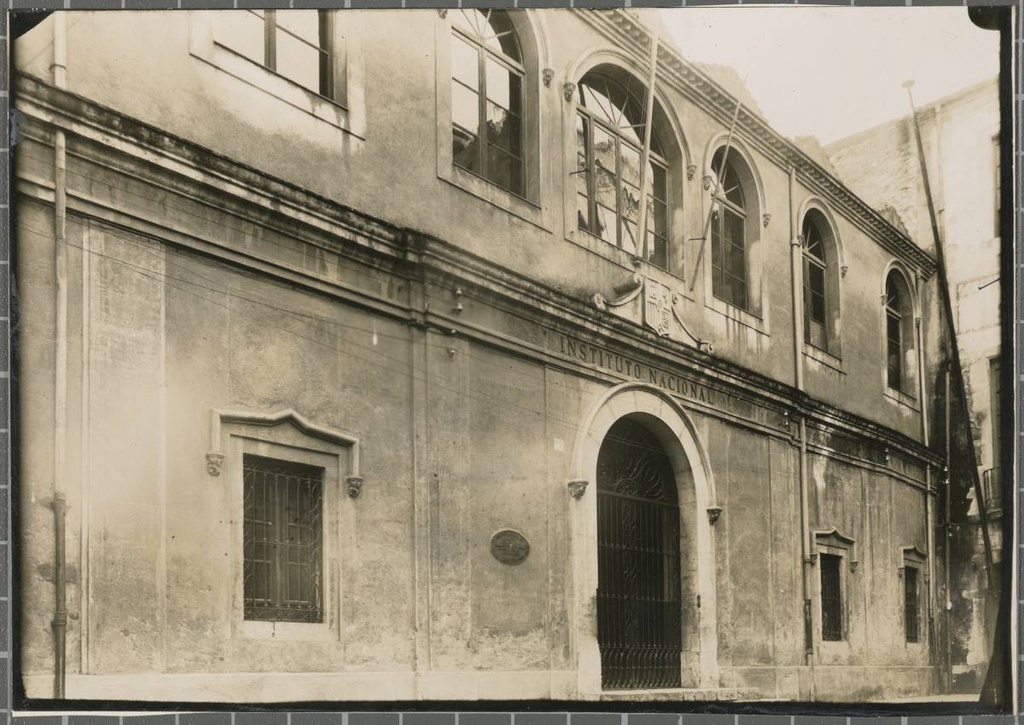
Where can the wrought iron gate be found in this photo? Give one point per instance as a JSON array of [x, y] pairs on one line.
[[638, 596]]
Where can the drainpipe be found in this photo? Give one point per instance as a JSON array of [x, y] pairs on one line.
[[929, 513], [60, 612], [948, 605], [798, 376]]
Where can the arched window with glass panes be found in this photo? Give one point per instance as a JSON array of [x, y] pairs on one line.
[[729, 280], [816, 313], [899, 338], [610, 128], [487, 97]]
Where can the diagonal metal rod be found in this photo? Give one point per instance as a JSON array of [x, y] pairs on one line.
[[714, 193], [645, 158]]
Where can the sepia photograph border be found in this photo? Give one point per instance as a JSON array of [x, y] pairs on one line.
[[16, 708]]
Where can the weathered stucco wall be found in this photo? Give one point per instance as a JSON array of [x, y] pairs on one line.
[[459, 345]]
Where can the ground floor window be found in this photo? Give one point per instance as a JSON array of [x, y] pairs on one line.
[[283, 540], [911, 605], [831, 598]]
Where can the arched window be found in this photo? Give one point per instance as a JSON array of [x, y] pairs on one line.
[[729, 263], [816, 314], [899, 340], [610, 128], [487, 97]]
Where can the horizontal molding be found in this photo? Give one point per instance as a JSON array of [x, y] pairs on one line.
[[177, 166]]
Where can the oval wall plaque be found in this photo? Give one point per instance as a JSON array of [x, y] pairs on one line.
[[510, 547]]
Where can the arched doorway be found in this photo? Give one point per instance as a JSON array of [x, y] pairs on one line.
[[639, 602]]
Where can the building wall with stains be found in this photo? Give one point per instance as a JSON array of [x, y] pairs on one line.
[[266, 282]]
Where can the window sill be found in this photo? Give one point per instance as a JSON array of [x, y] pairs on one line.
[[287, 631], [736, 314], [203, 46], [493, 194], [827, 359], [901, 398]]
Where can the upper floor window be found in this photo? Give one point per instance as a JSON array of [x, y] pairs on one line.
[[296, 44], [815, 318], [487, 97], [729, 263], [997, 167], [821, 276], [610, 131], [899, 337]]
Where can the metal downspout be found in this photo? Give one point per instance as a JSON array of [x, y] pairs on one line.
[[60, 613], [929, 512], [948, 604], [798, 375]]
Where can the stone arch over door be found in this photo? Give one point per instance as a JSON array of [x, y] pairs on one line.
[[666, 420]]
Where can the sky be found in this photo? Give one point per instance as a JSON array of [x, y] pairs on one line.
[[831, 72]]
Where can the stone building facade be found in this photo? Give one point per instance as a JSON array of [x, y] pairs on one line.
[[960, 135], [343, 377]]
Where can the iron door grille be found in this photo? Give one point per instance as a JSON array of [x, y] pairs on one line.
[[282, 533], [911, 598], [831, 598], [638, 598]]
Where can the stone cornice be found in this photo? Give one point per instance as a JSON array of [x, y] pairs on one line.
[[690, 81], [189, 169]]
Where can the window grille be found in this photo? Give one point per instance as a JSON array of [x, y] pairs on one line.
[[283, 542], [911, 619], [728, 237], [831, 597], [639, 601]]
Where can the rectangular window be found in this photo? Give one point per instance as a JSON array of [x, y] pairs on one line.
[[831, 598], [911, 608], [996, 417], [997, 165], [283, 540], [296, 44], [729, 258], [894, 353]]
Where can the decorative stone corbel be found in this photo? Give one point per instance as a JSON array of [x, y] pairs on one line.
[[443, 12], [766, 219], [577, 487], [706, 182], [214, 462], [568, 91], [853, 566], [691, 171], [714, 512], [843, 270], [546, 75], [354, 486]]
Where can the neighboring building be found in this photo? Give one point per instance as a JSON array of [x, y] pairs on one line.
[[960, 135], [345, 377]]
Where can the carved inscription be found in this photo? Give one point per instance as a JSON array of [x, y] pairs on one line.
[[642, 373]]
